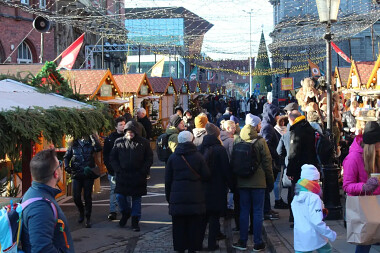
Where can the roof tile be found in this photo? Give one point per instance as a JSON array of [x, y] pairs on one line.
[[129, 83], [364, 70], [159, 84], [84, 81]]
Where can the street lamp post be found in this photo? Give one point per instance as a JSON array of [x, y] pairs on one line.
[[287, 65], [250, 51], [328, 13]]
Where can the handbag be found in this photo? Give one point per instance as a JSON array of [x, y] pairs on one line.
[[191, 168], [286, 182], [363, 223], [92, 173]]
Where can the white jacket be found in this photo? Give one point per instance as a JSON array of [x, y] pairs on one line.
[[310, 231]]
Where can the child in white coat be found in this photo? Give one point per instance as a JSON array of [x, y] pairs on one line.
[[310, 231]]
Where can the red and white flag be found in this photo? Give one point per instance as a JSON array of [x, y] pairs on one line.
[[340, 52], [70, 54]]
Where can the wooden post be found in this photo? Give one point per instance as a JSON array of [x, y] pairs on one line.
[[26, 157]]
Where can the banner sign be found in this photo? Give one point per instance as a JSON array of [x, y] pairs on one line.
[[287, 83]]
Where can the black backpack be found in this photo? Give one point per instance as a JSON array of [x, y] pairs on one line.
[[243, 153], [324, 148], [162, 145]]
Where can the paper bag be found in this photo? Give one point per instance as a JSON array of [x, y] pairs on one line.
[[363, 219]]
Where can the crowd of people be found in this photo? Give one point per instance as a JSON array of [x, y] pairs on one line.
[[204, 177]]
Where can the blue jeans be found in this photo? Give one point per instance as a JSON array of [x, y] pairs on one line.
[[363, 248], [113, 202], [251, 198], [325, 249], [125, 204]]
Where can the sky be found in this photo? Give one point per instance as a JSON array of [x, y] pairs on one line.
[[229, 38]]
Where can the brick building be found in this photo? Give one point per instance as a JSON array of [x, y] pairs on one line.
[[15, 24]]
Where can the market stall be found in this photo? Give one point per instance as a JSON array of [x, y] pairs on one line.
[[359, 74], [341, 76], [182, 93], [164, 88]]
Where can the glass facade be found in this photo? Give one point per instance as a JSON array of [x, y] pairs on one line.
[[165, 31], [171, 69]]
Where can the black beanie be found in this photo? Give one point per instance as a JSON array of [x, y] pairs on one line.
[[371, 133], [175, 120]]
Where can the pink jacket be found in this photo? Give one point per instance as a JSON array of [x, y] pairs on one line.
[[354, 173]]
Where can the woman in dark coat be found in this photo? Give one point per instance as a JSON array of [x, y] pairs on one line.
[[216, 188], [185, 171]]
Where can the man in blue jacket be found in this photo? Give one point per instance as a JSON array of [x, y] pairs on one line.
[[41, 231]]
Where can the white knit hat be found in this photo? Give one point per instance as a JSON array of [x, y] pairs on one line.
[[252, 120], [310, 172], [185, 136]]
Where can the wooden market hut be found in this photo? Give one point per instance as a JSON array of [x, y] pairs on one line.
[[15, 94], [213, 88], [374, 79], [137, 89], [182, 89], [204, 87], [359, 74], [194, 87], [341, 75], [165, 88]]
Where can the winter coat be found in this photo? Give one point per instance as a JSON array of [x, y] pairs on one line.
[[40, 231], [198, 133], [147, 126], [243, 105], [349, 119], [131, 160], [189, 122], [302, 147], [173, 137], [283, 146], [263, 177], [310, 232], [78, 156], [225, 116], [228, 142], [139, 127], [354, 171], [108, 145], [216, 188], [183, 187], [269, 133]]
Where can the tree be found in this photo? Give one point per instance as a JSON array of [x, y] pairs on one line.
[[262, 64]]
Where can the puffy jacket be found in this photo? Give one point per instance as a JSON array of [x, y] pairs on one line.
[[198, 133], [173, 137], [78, 156], [183, 188], [40, 231], [302, 147], [269, 133], [221, 175], [354, 171], [228, 142], [131, 160], [263, 177], [310, 231], [108, 145]]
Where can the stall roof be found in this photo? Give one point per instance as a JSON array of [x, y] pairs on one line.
[[22, 69], [193, 86], [178, 84], [84, 81], [343, 73], [15, 94], [131, 83], [363, 70], [213, 87], [160, 84]]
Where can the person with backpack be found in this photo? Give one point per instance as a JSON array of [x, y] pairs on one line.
[[79, 158], [131, 158], [199, 131], [254, 174], [44, 225], [108, 145], [216, 188], [185, 172]]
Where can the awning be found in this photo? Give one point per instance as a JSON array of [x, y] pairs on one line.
[[115, 101]]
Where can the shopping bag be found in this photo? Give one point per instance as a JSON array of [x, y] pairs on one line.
[[363, 219], [286, 183]]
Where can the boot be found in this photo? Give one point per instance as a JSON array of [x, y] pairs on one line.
[[124, 218], [135, 224], [88, 222], [280, 204], [81, 217]]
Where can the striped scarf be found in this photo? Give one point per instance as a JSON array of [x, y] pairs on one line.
[[309, 185]]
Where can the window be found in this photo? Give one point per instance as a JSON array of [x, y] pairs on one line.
[[237, 68], [42, 4], [243, 67], [244, 77], [24, 54], [26, 2]]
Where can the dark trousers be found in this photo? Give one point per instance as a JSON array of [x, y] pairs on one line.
[[85, 184], [237, 212], [290, 199], [187, 232], [212, 219]]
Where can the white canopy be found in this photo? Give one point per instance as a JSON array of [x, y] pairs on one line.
[[15, 94]]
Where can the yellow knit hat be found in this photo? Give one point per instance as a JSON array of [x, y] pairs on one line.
[[200, 121]]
